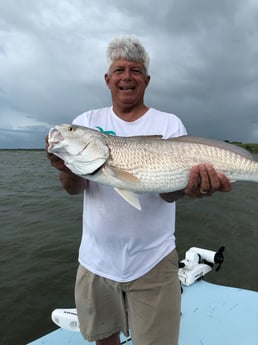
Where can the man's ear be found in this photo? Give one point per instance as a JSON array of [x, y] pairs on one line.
[[107, 79], [147, 80]]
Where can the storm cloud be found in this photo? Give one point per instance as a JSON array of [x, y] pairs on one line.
[[203, 63]]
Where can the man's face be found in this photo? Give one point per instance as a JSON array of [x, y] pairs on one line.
[[127, 81]]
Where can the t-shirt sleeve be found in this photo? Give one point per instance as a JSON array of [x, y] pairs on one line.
[[175, 128]]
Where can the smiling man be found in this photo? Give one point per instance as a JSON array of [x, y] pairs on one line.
[[127, 81], [128, 272]]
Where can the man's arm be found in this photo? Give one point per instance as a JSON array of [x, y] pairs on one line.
[[72, 183], [203, 182]]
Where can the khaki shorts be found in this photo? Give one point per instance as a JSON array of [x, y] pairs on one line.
[[149, 306]]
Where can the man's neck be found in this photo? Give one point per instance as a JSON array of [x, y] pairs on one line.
[[130, 113]]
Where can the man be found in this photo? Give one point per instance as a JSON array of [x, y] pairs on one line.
[[127, 277]]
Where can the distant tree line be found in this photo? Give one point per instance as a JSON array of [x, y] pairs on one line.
[[253, 148]]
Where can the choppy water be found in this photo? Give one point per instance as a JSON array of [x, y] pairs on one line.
[[40, 229]]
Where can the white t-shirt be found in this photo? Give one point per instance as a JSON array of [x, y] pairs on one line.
[[118, 241]]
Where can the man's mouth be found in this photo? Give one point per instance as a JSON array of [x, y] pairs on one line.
[[127, 88]]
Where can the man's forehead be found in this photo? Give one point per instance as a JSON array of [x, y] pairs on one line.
[[127, 63]]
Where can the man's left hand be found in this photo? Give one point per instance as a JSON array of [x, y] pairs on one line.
[[204, 181]]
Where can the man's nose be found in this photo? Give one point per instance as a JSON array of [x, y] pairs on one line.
[[126, 74]]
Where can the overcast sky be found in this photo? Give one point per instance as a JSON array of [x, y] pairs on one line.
[[204, 63]]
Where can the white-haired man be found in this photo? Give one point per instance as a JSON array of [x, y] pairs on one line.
[[127, 276]]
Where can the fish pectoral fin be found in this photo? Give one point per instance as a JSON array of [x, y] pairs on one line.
[[126, 177], [123, 175], [130, 197]]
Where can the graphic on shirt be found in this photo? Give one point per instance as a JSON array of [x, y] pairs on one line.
[[105, 132]]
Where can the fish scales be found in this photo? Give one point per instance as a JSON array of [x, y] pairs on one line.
[[148, 161]]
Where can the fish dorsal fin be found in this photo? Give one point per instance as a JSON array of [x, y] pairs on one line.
[[130, 197], [146, 137], [214, 143]]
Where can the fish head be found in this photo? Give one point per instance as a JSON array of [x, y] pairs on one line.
[[82, 149]]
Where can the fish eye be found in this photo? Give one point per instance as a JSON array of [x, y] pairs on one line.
[[70, 129]]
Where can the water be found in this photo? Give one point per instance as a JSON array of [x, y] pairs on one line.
[[40, 233]]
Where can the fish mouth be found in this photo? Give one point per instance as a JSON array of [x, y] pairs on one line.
[[54, 136]]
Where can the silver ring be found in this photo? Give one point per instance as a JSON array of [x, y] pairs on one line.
[[203, 191]]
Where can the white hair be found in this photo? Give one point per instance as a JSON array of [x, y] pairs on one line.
[[128, 48]]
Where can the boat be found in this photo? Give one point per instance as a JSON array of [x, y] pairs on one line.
[[211, 314]]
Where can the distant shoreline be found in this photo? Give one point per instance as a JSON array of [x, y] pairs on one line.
[[251, 147], [22, 149]]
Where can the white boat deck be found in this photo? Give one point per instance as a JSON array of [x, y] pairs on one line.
[[211, 315]]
